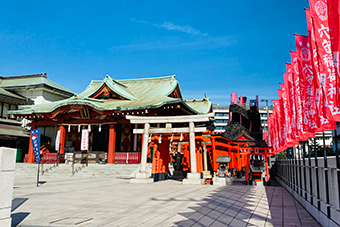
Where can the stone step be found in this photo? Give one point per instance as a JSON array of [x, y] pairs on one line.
[[93, 170]]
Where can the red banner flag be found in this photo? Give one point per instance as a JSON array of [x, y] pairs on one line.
[[305, 59], [287, 116], [289, 82], [234, 98], [298, 100], [334, 29], [320, 100], [279, 123], [265, 135], [327, 73]]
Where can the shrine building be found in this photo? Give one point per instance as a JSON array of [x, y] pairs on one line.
[[103, 107]]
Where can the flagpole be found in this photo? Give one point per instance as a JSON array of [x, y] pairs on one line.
[[38, 174]]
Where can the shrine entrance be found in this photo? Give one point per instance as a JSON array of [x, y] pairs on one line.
[[162, 131]]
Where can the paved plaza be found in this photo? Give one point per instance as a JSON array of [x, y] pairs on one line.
[[115, 202]]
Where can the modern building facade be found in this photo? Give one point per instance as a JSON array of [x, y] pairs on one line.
[[22, 90], [221, 113]]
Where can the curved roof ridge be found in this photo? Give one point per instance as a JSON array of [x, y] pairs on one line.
[[150, 78]]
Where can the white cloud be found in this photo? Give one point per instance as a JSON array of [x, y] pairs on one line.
[[172, 27], [197, 39]]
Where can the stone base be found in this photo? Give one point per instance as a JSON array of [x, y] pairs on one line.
[[206, 174], [193, 182], [141, 178], [141, 181], [258, 183], [193, 178], [222, 181], [178, 174]]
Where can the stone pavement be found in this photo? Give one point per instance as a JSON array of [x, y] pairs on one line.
[[115, 202]]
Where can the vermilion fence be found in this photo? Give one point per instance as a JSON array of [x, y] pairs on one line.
[[120, 158], [127, 157]]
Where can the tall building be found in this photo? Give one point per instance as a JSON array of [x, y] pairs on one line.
[[221, 113]]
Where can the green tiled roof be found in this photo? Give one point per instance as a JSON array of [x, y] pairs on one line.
[[10, 95], [201, 106], [34, 80], [12, 130], [143, 93]]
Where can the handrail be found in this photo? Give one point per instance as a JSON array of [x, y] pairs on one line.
[[78, 169], [56, 164]]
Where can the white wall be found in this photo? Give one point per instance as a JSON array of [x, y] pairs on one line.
[[7, 167]]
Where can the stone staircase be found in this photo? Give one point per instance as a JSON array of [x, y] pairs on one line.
[[92, 171]]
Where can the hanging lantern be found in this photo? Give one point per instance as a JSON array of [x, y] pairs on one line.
[[172, 138], [78, 128], [150, 138], [89, 128], [160, 139], [181, 138], [100, 128], [69, 128]]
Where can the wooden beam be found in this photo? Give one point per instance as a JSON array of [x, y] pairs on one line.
[[169, 119], [169, 130]]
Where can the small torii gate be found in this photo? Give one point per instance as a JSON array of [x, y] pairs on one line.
[[193, 177]]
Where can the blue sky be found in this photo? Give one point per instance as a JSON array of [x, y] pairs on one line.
[[213, 47]]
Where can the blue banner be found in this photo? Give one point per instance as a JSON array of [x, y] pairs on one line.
[[35, 137]]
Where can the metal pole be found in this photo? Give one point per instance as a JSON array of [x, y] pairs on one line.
[[295, 170], [335, 139], [38, 174], [288, 167], [326, 176], [310, 174], [304, 168], [268, 124], [317, 175], [87, 158], [73, 163], [300, 170]]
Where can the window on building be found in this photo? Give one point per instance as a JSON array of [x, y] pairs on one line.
[[5, 110], [12, 107]]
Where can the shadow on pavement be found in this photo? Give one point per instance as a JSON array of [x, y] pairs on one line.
[[20, 216], [17, 202], [228, 206]]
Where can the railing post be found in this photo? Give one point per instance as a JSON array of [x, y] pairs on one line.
[[304, 168], [335, 142], [295, 170], [300, 169], [317, 175], [310, 174], [326, 177]]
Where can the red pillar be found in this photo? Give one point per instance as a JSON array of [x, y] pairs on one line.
[[164, 150], [112, 144], [62, 139], [155, 159], [247, 168], [31, 158], [199, 160]]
